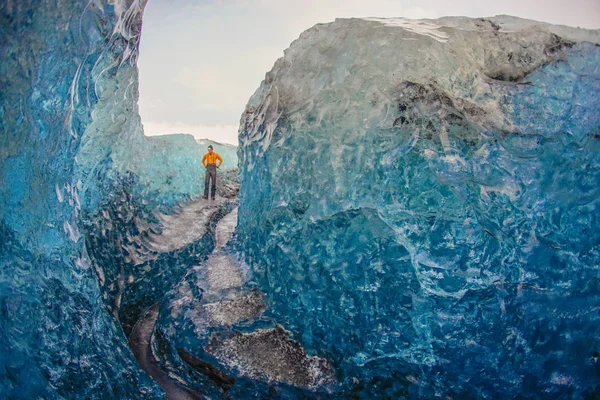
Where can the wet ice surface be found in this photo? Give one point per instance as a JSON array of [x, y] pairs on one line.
[[139, 342]]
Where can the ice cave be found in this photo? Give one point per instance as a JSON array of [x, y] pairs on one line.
[[423, 218]]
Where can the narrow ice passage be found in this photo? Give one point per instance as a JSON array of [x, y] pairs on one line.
[[418, 209], [177, 231], [265, 352]]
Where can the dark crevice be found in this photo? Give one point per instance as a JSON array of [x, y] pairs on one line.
[[220, 378]]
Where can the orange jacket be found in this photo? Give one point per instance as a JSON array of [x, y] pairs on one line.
[[211, 159]]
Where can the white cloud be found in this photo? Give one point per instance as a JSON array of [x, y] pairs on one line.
[[211, 83], [200, 61], [218, 133]]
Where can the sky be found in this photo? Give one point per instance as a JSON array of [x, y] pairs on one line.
[[201, 60]]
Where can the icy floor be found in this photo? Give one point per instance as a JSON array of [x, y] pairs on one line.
[[265, 354], [225, 229], [185, 227], [139, 341]]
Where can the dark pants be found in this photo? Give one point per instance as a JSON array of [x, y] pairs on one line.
[[211, 174]]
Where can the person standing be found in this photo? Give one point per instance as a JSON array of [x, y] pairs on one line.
[[210, 163]]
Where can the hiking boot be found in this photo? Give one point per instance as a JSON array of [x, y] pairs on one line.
[[205, 197], [212, 198]]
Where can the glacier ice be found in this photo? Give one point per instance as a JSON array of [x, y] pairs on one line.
[[417, 216], [57, 339], [82, 195], [213, 322], [419, 204]]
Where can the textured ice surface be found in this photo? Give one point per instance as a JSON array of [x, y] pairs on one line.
[[81, 190], [213, 322], [419, 203], [419, 214], [59, 62]]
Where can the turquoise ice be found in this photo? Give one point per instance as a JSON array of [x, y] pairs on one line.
[[419, 201], [418, 212]]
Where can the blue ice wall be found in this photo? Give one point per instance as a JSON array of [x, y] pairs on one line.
[[420, 204], [77, 177], [57, 339]]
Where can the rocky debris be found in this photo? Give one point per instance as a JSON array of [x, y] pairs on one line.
[[229, 312], [271, 354]]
